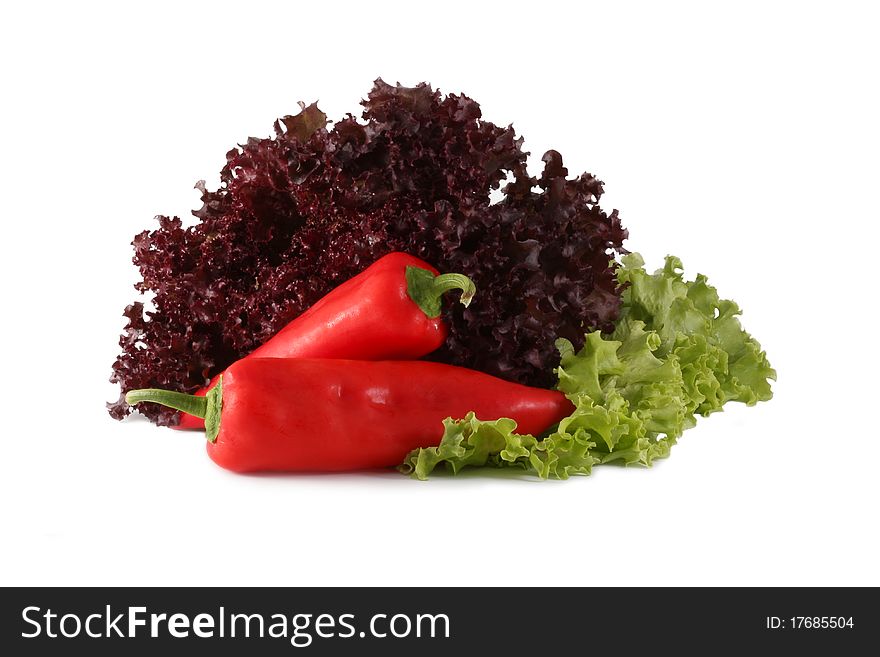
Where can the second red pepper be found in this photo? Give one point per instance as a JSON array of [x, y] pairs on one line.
[[324, 415]]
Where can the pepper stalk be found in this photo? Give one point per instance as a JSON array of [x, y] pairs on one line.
[[208, 407], [427, 290]]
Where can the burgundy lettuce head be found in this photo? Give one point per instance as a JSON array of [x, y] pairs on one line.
[[299, 213]]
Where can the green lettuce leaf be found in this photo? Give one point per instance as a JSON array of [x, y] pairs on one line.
[[475, 443], [678, 350], [719, 361]]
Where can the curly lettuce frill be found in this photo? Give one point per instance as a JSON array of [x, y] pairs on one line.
[[678, 351]]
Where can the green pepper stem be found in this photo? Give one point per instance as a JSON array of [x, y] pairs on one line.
[[427, 290], [445, 282], [191, 404], [208, 407]]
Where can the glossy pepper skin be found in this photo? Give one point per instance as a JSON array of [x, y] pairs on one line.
[[371, 316], [310, 415]]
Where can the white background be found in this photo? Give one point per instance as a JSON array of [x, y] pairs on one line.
[[745, 140]]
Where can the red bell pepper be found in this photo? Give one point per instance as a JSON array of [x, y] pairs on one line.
[[329, 415], [391, 310]]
